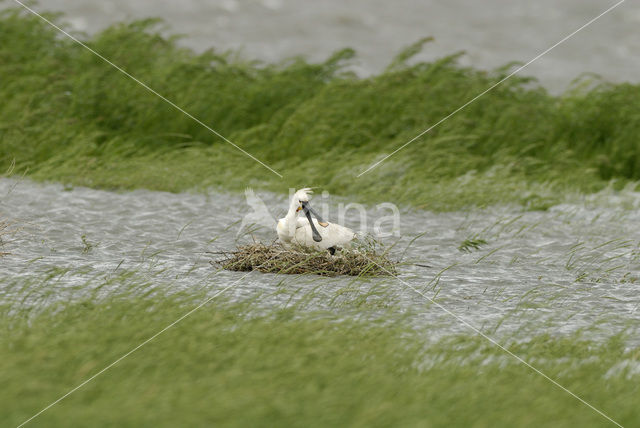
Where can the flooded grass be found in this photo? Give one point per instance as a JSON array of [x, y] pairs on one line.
[[5, 231], [285, 360], [69, 117], [275, 258], [472, 244], [234, 365]]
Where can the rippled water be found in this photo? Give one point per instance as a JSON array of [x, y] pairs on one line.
[[491, 32], [574, 266]]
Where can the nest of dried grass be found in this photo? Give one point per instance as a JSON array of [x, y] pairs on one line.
[[275, 258]]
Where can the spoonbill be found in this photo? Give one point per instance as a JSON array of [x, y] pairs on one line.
[[311, 232]]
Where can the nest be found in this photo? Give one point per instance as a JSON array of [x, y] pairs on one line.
[[275, 258]]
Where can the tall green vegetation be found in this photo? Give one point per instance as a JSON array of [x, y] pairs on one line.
[[239, 365], [66, 115]]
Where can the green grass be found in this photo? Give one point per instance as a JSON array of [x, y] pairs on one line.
[[229, 364], [68, 116]]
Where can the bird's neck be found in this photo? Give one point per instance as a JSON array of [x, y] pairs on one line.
[[291, 217], [291, 214]]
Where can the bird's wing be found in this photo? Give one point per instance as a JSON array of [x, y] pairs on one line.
[[336, 234]]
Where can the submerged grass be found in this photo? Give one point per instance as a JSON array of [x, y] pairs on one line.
[[68, 116], [229, 364], [471, 244], [3, 226], [275, 258], [5, 231]]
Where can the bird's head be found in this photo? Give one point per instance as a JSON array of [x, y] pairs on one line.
[[301, 196]]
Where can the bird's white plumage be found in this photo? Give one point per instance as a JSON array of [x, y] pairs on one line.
[[295, 228]]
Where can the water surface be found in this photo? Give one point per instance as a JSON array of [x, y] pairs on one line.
[[491, 32], [572, 267]]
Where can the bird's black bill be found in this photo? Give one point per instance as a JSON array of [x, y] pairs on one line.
[[307, 211], [316, 215]]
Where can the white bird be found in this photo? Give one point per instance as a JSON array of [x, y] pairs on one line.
[[311, 232]]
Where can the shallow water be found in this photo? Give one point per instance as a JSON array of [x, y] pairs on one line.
[[491, 32], [572, 267]]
